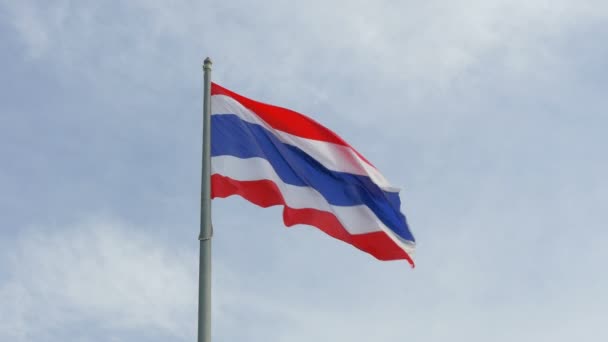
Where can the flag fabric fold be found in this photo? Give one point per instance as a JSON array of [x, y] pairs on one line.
[[274, 156]]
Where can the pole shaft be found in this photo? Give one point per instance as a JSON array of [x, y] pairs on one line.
[[204, 276]]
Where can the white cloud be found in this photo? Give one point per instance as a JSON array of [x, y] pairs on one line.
[[102, 272], [431, 42], [37, 25]]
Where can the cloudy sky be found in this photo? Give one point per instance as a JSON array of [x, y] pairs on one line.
[[490, 115]]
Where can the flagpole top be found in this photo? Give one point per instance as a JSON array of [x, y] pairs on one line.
[[207, 63]]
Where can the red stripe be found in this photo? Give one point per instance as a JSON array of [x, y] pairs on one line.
[[286, 120], [265, 193]]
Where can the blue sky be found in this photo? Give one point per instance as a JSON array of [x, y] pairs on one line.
[[491, 115]]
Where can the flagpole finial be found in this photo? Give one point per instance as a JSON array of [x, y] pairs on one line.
[[207, 63]]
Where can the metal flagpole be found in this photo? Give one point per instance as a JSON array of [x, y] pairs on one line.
[[204, 275]]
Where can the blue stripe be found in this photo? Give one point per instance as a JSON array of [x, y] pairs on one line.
[[232, 136]]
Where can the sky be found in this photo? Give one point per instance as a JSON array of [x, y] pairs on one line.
[[490, 115]]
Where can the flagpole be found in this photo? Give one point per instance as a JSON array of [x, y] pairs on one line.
[[204, 275]]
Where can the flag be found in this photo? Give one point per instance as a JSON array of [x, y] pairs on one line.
[[274, 156]]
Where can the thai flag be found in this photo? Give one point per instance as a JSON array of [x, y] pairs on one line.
[[274, 156]]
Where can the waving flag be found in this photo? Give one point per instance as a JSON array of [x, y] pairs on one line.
[[274, 156]]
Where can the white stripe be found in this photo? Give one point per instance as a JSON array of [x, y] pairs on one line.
[[357, 219], [333, 156]]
